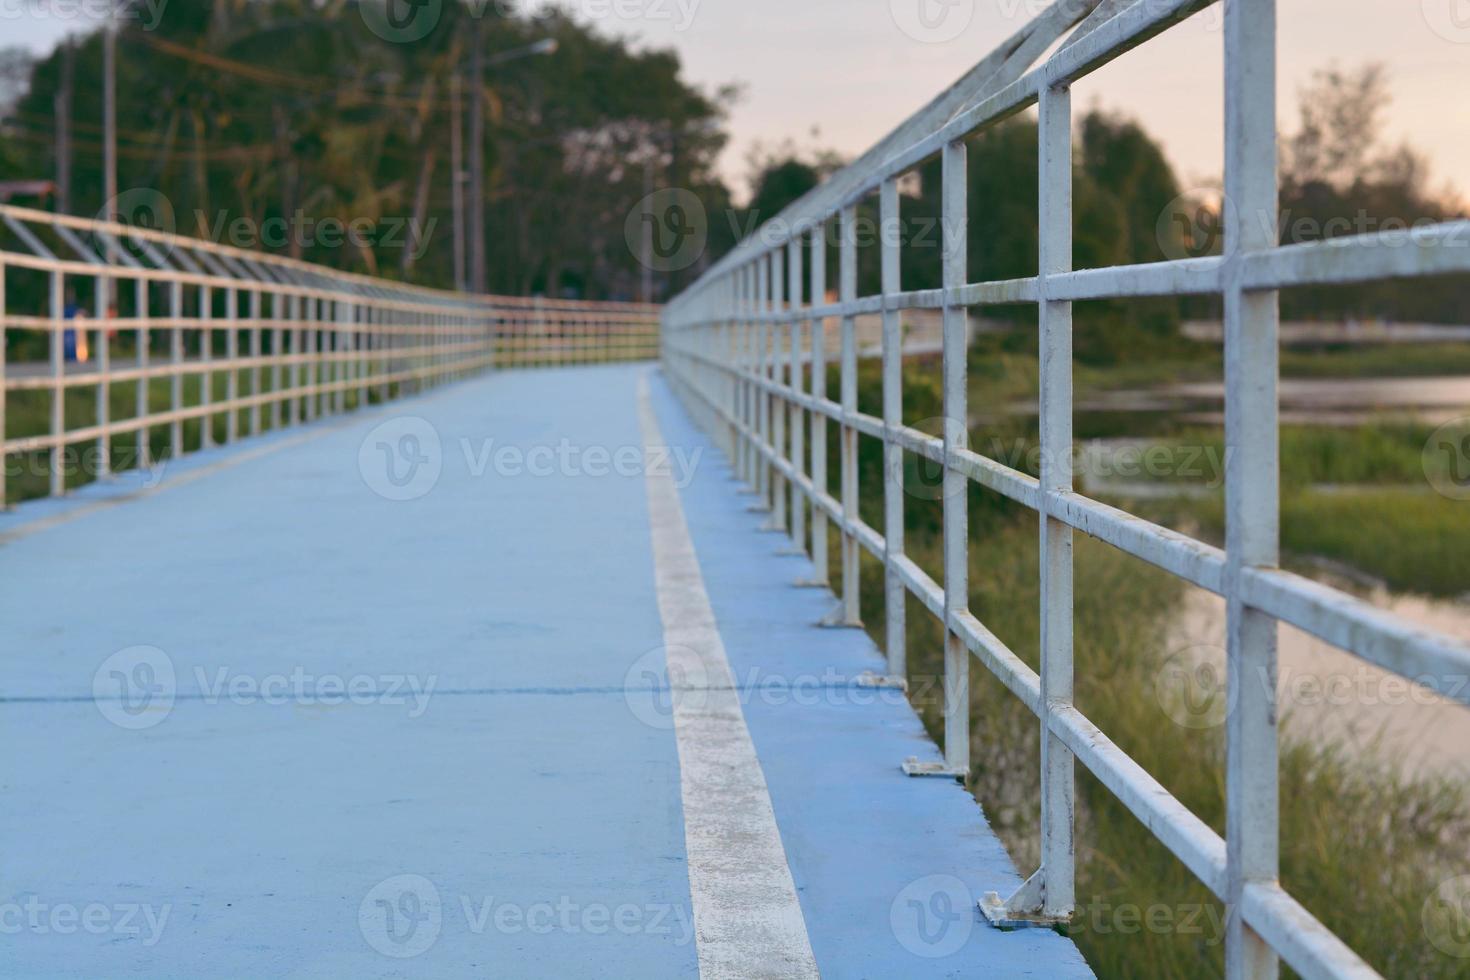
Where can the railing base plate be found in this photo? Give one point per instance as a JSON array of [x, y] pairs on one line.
[[913, 767], [869, 679], [994, 908]]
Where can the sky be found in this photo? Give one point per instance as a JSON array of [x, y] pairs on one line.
[[854, 69]]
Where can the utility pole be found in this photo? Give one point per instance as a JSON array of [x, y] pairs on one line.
[[109, 116], [647, 243], [456, 175], [62, 111], [109, 146], [478, 276]]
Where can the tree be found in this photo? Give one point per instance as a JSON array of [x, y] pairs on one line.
[[275, 116], [1340, 177]]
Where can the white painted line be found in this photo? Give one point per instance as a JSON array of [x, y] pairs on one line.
[[747, 918]]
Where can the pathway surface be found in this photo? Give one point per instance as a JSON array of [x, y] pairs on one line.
[[390, 696]]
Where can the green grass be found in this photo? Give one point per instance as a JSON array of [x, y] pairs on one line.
[[1378, 361], [29, 413], [1381, 453], [1414, 540]]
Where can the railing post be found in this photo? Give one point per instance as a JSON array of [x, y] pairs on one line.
[[748, 411], [256, 346], [797, 419], [279, 314], [310, 399], [1252, 503], [894, 592], [763, 394], [730, 382], [232, 357], [341, 365], [954, 221], [104, 378], [779, 400], [383, 348], [295, 409], [1058, 780], [360, 339], [58, 384], [851, 608], [176, 367], [819, 393], [141, 313], [206, 377]]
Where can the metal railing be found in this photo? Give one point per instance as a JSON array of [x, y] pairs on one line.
[[737, 346], [218, 343]]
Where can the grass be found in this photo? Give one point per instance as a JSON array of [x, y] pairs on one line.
[[1387, 452], [1414, 540], [29, 413], [1378, 361]]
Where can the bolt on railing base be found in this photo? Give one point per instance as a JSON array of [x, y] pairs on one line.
[[869, 679], [919, 770], [1023, 910]]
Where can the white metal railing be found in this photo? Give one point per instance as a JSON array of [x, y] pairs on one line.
[[267, 341], [736, 342]]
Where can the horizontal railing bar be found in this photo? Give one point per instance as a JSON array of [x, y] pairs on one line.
[[1194, 561], [1435, 660], [1442, 248], [1181, 277]]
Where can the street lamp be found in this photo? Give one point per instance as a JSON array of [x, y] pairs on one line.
[[478, 64]]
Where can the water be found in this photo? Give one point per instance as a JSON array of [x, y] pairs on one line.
[[1320, 401], [1326, 693]]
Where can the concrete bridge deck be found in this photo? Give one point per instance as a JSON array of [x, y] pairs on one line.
[[389, 696]]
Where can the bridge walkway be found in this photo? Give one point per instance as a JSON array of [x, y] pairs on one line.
[[389, 696]]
